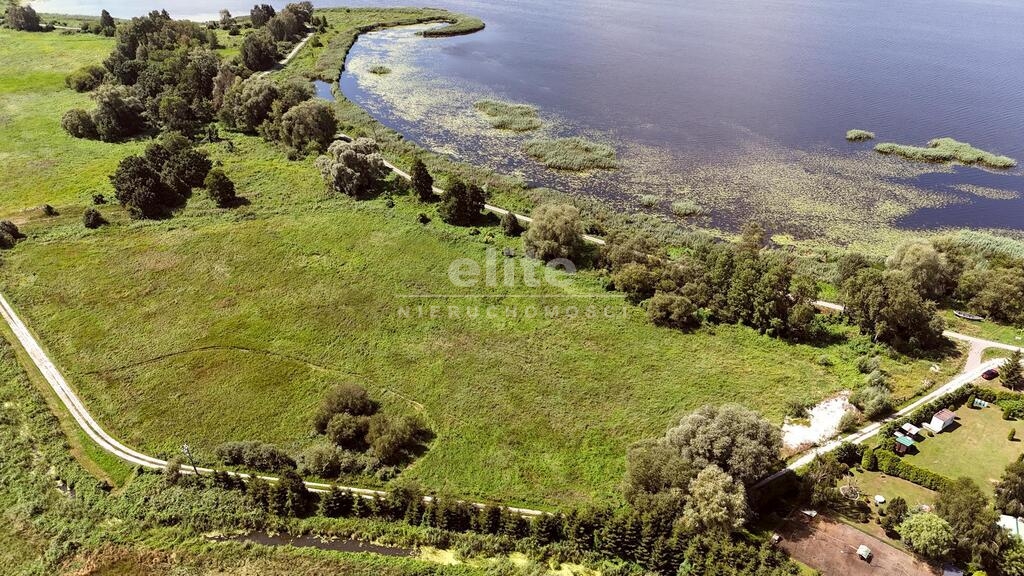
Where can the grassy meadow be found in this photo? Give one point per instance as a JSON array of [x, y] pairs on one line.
[[224, 325]]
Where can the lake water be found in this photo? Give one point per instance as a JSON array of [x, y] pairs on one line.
[[739, 105]]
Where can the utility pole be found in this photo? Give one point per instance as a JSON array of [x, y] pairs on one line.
[[187, 451]]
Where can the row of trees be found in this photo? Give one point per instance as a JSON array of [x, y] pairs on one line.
[[715, 282]]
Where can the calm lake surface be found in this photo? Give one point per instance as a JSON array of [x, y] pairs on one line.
[[739, 105]]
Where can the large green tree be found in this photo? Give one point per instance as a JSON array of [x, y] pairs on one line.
[[555, 232], [716, 502], [737, 440], [928, 535], [1011, 373]]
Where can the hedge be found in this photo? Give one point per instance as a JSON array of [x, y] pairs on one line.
[[891, 464]]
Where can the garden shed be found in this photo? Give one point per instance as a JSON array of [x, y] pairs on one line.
[[941, 420]]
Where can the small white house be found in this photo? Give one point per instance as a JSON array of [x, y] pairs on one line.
[[911, 429], [941, 420]]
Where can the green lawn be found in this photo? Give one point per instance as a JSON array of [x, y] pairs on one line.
[[985, 329], [872, 483], [977, 448], [226, 325]]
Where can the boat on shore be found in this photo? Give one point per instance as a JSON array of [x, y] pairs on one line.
[[967, 316]]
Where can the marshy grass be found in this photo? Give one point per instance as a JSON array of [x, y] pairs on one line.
[[648, 200], [509, 116], [859, 135], [688, 208], [575, 154], [947, 150], [458, 25], [380, 70]]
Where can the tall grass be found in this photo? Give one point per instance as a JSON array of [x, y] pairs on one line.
[[947, 150], [574, 154], [509, 116], [686, 208], [859, 135], [990, 245]]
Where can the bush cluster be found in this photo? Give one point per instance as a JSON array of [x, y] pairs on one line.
[[258, 456], [152, 185], [351, 421], [715, 282]]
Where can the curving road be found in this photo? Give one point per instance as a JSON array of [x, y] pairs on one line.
[[110, 444]]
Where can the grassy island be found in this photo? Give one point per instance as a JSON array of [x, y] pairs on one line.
[[380, 70], [509, 116], [575, 154], [859, 135], [947, 150], [459, 25]]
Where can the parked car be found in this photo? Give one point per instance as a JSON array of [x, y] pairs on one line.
[[990, 374]]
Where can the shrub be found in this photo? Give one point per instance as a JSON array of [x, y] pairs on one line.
[[321, 460], [248, 104], [556, 232], [648, 200], [868, 364], [220, 188], [78, 123], [118, 114], [6, 240], [859, 135], [309, 126], [86, 78], [510, 225], [850, 421], [355, 169], [258, 456], [138, 188], [462, 204], [874, 401], [349, 399], [868, 460], [395, 440], [672, 310], [21, 18], [1012, 435], [423, 218], [11, 229], [259, 52], [380, 70], [49, 211], [99, 199], [348, 431], [421, 180], [92, 218]]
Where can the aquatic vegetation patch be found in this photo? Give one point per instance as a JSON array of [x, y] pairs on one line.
[[509, 116], [380, 70], [648, 200], [687, 208], [458, 25], [575, 154], [947, 150], [859, 135]]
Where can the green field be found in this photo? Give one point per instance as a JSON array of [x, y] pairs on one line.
[[228, 325], [872, 483], [977, 448]]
